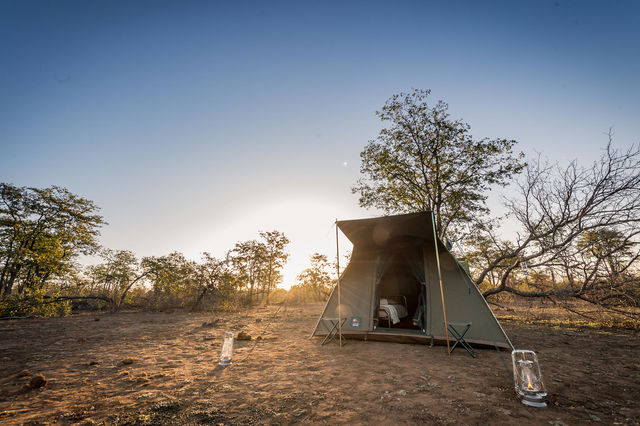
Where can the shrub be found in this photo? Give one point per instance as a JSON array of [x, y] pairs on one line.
[[34, 302]]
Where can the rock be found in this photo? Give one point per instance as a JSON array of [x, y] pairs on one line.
[[243, 335], [480, 394], [594, 418], [37, 381], [128, 361], [402, 392], [504, 411], [24, 373]]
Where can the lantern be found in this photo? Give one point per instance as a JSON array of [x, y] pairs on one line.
[[527, 378], [227, 349]]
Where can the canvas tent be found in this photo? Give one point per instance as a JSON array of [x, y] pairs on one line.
[[394, 258]]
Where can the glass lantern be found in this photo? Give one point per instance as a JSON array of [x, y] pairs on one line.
[[527, 378], [227, 349]]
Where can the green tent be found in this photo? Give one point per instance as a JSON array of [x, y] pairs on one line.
[[394, 263]]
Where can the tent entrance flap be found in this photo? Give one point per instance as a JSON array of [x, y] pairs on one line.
[[400, 291]]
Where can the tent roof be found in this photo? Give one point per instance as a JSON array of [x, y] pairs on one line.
[[378, 231]]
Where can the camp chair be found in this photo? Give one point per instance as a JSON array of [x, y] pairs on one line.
[[458, 330], [332, 329]]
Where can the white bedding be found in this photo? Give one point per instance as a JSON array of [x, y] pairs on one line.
[[395, 312]]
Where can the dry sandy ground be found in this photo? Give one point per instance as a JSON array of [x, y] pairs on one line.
[[591, 376]]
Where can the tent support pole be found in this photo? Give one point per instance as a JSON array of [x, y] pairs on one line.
[[444, 311], [339, 301]]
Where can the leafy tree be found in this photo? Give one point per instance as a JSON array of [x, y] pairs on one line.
[[173, 279], [257, 264], [42, 231], [426, 161], [247, 259], [215, 279], [607, 245], [113, 278], [276, 257], [317, 278]]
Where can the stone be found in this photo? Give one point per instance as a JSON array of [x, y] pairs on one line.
[[37, 381], [243, 335]]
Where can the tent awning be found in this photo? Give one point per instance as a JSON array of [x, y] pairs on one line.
[[381, 230]]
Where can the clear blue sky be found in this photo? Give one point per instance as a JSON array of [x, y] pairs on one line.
[[194, 125]]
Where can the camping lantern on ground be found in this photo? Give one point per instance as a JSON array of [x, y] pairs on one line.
[[527, 378], [227, 349]]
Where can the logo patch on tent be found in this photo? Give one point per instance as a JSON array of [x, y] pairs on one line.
[[355, 321]]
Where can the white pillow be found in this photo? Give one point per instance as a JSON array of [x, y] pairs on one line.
[[384, 302]]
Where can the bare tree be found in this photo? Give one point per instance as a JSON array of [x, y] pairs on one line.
[[578, 227]]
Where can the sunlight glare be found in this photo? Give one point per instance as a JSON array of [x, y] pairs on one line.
[[308, 223]]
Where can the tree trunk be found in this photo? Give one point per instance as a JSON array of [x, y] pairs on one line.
[[196, 305], [117, 307]]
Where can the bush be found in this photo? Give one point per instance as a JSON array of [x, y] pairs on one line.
[[34, 302]]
